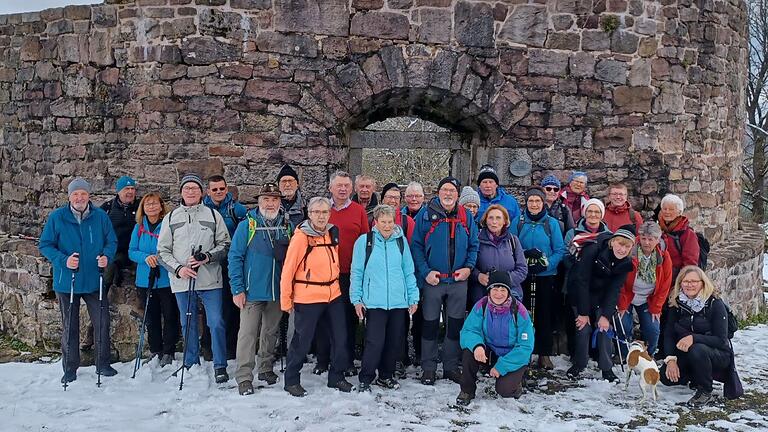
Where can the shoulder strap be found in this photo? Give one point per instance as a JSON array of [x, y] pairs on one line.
[[631, 216], [215, 228], [520, 224], [252, 225], [369, 239], [401, 244]]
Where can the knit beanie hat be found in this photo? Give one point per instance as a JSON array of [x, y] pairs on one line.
[[389, 186], [550, 180], [191, 178], [78, 183], [535, 191], [487, 172], [286, 170], [124, 182], [468, 195], [450, 180], [627, 231], [596, 202], [500, 278]]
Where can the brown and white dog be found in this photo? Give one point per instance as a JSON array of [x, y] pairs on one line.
[[642, 363]]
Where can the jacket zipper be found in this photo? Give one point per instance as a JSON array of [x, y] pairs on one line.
[[386, 273]]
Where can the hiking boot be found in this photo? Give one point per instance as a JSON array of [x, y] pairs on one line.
[[295, 390], [107, 371], [485, 369], [389, 383], [69, 377], [701, 398], [545, 363], [165, 360], [245, 388], [428, 378], [400, 371], [342, 385], [464, 399], [269, 376], [351, 371], [574, 372], [364, 388], [517, 392], [609, 376], [320, 369], [453, 375], [221, 375]]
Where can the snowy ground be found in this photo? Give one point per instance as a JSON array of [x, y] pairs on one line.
[[32, 399]]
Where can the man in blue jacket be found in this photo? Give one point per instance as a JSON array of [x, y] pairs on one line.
[[219, 198], [255, 263], [79, 241], [444, 247], [491, 193]]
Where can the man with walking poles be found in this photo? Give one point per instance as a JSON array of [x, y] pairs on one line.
[[79, 241], [193, 241]]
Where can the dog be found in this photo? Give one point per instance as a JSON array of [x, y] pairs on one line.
[[639, 361]]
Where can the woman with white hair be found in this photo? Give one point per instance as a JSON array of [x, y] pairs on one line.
[[681, 240], [647, 285]]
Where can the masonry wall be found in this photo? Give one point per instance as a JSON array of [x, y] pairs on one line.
[[645, 91]]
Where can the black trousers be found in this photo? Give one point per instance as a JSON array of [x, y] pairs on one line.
[[308, 318], [70, 334], [508, 385], [541, 288], [384, 332], [583, 342], [322, 335], [162, 319], [698, 365]]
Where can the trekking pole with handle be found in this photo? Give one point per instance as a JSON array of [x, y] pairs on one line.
[[101, 326], [190, 298], [618, 341], [153, 276], [69, 326]]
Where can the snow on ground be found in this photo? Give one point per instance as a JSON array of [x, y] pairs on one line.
[[31, 398]]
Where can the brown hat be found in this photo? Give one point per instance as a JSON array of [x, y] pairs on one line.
[[269, 189]]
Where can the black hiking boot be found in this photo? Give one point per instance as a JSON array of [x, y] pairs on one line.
[[464, 399], [269, 376], [389, 383], [69, 377], [453, 375], [245, 388], [295, 390], [320, 369], [609, 376], [351, 371], [400, 371], [166, 359], [107, 371], [574, 372], [342, 385], [428, 378], [700, 399], [221, 375]]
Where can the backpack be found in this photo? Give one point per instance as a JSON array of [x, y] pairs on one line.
[[547, 228], [704, 247], [334, 231], [461, 217], [231, 211], [733, 323], [370, 239]]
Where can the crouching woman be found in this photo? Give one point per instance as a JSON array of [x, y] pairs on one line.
[[499, 332]]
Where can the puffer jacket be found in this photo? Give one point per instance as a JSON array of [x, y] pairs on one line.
[[253, 268], [311, 269], [504, 255], [709, 326], [508, 333], [143, 244], [533, 235], [197, 228], [123, 219], [388, 281], [503, 199]]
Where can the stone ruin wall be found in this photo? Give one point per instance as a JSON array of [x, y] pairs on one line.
[[645, 91]]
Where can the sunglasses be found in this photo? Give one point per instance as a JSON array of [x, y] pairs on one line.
[[551, 188], [221, 189]]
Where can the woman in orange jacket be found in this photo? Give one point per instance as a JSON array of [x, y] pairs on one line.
[[647, 286], [309, 288]]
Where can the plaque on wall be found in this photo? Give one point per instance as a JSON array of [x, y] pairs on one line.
[[520, 168]]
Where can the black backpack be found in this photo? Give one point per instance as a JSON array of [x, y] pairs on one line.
[[703, 247]]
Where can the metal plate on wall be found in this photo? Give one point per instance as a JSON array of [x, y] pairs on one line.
[[520, 168]]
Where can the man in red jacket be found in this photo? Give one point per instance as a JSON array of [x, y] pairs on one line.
[[619, 211], [351, 220]]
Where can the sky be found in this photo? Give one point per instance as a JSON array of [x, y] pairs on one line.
[[14, 6]]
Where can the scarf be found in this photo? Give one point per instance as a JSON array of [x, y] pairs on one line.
[[695, 304], [502, 308], [646, 269], [669, 227], [496, 240], [538, 216]]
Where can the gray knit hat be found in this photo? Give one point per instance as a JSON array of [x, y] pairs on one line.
[[191, 178], [78, 183], [468, 195]]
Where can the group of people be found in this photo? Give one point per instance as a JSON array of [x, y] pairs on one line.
[[469, 270]]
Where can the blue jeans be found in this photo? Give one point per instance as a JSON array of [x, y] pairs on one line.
[[648, 327], [212, 303]]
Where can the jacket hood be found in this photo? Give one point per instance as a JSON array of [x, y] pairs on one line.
[[435, 208], [618, 210], [306, 228], [209, 202]]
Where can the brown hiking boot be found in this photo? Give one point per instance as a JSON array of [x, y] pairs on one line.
[[545, 363]]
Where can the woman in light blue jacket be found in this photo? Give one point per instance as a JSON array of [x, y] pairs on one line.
[[162, 312], [383, 290]]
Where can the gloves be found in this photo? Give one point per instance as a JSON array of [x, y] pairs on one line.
[[537, 265], [533, 254]]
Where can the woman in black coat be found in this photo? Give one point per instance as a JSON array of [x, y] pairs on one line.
[[696, 335]]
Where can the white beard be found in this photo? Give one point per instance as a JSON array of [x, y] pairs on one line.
[[269, 215]]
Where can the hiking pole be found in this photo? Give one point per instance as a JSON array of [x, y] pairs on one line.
[[192, 297], [533, 297], [101, 326], [69, 326], [153, 274], [618, 343]]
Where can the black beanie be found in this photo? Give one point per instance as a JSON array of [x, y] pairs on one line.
[[450, 180], [286, 170], [500, 278], [487, 172], [389, 186]]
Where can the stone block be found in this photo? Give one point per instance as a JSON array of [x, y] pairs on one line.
[[299, 45], [385, 25], [203, 51], [570, 41], [595, 40], [436, 26], [268, 90], [326, 17], [546, 62], [100, 49], [223, 87], [473, 24], [611, 71], [624, 42], [632, 99], [527, 24], [104, 16], [581, 65]]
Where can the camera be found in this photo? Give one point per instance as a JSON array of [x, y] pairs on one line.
[[199, 256]]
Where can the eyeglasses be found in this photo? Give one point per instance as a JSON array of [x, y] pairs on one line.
[[319, 212], [190, 188], [221, 189], [551, 188], [414, 196], [691, 282]]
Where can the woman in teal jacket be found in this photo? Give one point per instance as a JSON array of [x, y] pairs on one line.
[[498, 332], [162, 312], [383, 290]]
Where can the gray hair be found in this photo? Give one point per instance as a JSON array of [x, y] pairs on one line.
[[338, 174], [383, 210], [316, 201], [674, 200], [650, 228], [362, 177], [415, 186]]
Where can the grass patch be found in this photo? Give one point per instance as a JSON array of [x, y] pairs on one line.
[[759, 318], [752, 401], [12, 349]]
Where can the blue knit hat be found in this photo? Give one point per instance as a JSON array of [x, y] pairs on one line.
[[578, 174], [550, 180], [78, 183], [123, 182]]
